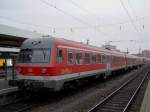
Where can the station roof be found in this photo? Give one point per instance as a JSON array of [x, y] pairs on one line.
[[13, 37]]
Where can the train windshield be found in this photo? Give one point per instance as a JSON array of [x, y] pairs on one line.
[[40, 55]]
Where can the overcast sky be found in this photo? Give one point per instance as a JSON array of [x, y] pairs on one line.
[[79, 20]]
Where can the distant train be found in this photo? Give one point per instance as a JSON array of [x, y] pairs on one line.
[[146, 60], [53, 63]]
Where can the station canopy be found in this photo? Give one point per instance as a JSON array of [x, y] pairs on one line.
[[13, 37]]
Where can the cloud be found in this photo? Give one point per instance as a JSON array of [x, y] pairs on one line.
[[100, 21]]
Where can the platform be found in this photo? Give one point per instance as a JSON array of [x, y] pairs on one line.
[[146, 101], [4, 84], [3, 81], [5, 88]]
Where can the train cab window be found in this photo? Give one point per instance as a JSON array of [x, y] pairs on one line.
[[60, 55], [41, 55], [70, 56], [87, 58], [98, 58], [25, 56], [79, 57], [93, 58]]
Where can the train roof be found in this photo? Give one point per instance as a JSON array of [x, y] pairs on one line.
[[48, 42], [39, 43], [85, 46]]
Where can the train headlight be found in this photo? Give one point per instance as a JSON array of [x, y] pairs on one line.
[[43, 70]]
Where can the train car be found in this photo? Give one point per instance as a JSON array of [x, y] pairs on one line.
[[133, 61], [146, 60], [54, 62]]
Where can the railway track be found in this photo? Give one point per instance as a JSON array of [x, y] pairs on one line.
[[27, 104], [8, 95], [8, 90], [19, 105], [120, 99]]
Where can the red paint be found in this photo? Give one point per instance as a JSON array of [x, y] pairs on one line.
[[55, 69]]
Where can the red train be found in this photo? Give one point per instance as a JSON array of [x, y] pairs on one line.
[[53, 62]]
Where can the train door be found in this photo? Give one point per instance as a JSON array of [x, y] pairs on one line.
[[126, 62], [108, 65], [106, 59]]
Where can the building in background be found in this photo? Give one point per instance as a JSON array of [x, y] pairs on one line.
[[146, 53], [110, 47]]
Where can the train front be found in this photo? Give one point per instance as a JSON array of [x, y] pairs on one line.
[[33, 62]]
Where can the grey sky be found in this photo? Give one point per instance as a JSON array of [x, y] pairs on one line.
[[96, 20]]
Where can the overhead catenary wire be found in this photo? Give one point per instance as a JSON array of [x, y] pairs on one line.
[[132, 9], [83, 9], [25, 23], [75, 4], [73, 29], [87, 11], [65, 13], [126, 10], [132, 22], [72, 16], [77, 27]]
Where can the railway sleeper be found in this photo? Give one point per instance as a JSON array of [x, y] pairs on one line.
[[107, 110], [115, 104], [113, 107]]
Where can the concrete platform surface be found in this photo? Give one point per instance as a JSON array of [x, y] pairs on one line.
[[146, 101], [4, 84]]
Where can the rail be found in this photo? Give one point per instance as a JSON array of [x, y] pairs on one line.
[[108, 103]]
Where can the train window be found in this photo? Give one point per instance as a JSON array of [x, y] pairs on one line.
[[122, 59], [87, 58], [79, 57], [98, 58], [116, 59], [25, 56], [70, 56], [59, 55], [93, 58], [41, 55]]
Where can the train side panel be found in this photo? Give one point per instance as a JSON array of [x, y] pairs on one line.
[[68, 61]]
